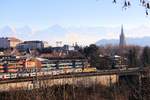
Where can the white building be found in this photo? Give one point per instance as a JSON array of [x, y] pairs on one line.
[[45, 44], [9, 42]]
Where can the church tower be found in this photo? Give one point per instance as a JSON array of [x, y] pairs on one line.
[[122, 38]]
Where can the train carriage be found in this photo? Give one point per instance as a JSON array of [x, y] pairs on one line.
[[6, 76], [1, 76], [32, 74], [40, 73], [23, 75], [50, 73], [78, 70], [89, 70], [13, 75]]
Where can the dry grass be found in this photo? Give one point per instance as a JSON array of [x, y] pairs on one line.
[[65, 92], [121, 91]]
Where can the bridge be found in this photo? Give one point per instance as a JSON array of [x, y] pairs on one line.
[[100, 77]]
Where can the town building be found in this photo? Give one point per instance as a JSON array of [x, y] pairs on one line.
[[119, 62], [9, 42], [68, 48], [26, 45], [13, 42], [122, 38], [45, 44], [32, 63], [64, 48]]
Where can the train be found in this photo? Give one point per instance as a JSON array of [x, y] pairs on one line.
[[6, 76]]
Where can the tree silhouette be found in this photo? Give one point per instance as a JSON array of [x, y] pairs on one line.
[[132, 58], [146, 56], [128, 3]]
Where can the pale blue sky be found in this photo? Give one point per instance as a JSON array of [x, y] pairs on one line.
[[70, 13]]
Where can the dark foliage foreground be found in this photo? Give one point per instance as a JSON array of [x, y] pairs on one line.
[[124, 90], [67, 92]]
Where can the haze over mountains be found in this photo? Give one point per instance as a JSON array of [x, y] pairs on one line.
[[83, 35], [144, 41]]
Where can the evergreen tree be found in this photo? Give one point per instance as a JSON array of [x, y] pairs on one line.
[[146, 56], [92, 53], [132, 58]]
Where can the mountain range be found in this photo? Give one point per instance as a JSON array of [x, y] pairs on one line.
[[144, 41], [83, 35]]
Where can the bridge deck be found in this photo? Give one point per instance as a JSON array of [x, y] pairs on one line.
[[131, 71]]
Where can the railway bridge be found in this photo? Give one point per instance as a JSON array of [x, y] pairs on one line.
[[103, 77]]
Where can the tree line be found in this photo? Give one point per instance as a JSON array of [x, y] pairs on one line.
[[101, 56]]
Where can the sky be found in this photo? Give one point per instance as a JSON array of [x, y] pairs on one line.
[[39, 14], [70, 13]]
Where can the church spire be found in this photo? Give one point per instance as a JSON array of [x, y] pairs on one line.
[[122, 32], [122, 38]]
